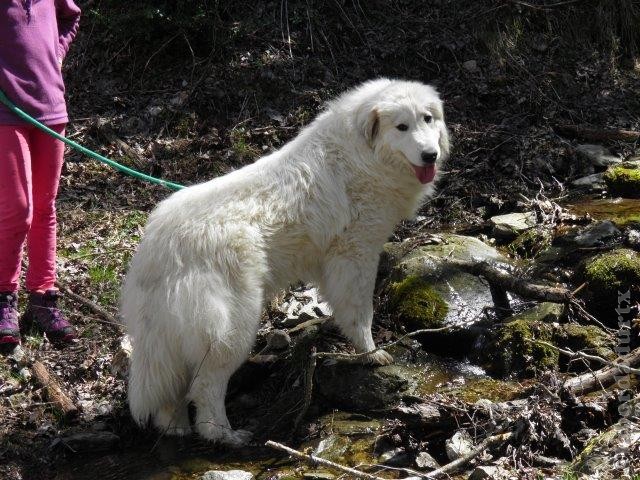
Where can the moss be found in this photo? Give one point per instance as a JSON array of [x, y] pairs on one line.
[[513, 353], [530, 243], [610, 271], [587, 338], [488, 388], [418, 303], [624, 180]]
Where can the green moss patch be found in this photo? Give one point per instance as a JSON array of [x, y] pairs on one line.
[[418, 303], [530, 243], [624, 180], [610, 271]]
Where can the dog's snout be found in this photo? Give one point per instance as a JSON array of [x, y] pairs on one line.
[[429, 157]]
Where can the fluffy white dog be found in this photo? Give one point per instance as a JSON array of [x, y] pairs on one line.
[[317, 210]]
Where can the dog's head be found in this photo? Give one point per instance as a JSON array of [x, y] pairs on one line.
[[405, 121]]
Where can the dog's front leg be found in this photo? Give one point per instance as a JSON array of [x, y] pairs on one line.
[[347, 284]]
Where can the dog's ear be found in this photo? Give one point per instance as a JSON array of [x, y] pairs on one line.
[[369, 124], [444, 140]]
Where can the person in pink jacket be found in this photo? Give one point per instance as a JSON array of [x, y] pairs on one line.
[[34, 38]]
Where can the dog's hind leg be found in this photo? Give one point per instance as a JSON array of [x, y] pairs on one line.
[[348, 282], [173, 419], [208, 392]]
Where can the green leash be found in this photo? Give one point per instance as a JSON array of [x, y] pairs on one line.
[[86, 151]]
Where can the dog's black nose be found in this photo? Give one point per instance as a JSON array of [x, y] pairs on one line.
[[429, 157]]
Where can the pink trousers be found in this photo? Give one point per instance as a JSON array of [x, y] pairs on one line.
[[30, 166]]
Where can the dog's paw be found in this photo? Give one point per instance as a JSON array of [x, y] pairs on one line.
[[379, 357], [236, 438]]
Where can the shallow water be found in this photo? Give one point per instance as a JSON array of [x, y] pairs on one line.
[[621, 211]]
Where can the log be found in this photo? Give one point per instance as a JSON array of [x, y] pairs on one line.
[[603, 378], [598, 134], [53, 391]]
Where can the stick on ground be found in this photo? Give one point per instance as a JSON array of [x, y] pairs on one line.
[[54, 392]]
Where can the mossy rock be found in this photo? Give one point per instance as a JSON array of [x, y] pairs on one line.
[[530, 243], [607, 275], [585, 338], [418, 303], [485, 388], [511, 351], [624, 179]]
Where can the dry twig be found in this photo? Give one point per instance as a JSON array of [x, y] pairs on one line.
[[54, 391]]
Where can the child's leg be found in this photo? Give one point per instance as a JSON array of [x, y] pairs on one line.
[[15, 202], [47, 156]]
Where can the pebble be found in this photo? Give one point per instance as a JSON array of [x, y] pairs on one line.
[[458, 445]]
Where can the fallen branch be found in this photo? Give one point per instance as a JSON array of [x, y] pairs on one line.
[[110, 319], [313, 460], [499, 439], [586, 356], [598, 134], [52, 388], [605, 377], [510, 282]]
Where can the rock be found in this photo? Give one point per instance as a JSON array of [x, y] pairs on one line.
[[531, 242], [619, 442], [489, 473], [425, 460], [418, 303], [595, 181], [360, 387], [508, 351], [470, 65], [459, 445], [624, 179], [632, 238], [278, 340], [510, 225], [227, 475], [464, 294], [597, 234], [607, 274], [598, 155]]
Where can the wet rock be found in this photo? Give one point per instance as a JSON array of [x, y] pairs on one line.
[[510, 225], [594, 181], [459, 445], [597, 155], [597, 234], [227, 475], [624, 179], [426, 461]]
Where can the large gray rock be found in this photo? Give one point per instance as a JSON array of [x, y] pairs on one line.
[[465, 295]]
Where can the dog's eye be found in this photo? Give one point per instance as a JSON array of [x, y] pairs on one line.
[[428, 118], [402, 127]]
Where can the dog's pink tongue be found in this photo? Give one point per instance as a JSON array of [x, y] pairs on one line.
[[425, 174]]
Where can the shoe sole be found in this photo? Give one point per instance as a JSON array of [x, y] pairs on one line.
[[8, 339]]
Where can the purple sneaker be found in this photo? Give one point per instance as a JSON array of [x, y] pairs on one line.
[[42, 311], [9, 330]]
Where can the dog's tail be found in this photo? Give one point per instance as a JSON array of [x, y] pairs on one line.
[[157, 373]]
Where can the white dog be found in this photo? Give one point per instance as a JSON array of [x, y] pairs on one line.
[[317, 210]]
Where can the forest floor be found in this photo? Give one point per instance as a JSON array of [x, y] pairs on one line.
[[189, 109]]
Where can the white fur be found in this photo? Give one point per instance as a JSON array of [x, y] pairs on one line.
[[317, 210]]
